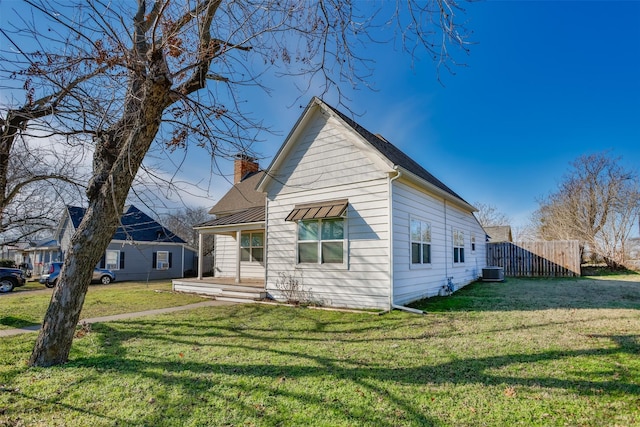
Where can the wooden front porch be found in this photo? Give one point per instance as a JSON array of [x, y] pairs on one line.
[[223, 288]]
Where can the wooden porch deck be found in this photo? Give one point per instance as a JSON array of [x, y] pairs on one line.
[[223, 288]]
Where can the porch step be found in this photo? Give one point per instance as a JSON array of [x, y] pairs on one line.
[[237, 293]]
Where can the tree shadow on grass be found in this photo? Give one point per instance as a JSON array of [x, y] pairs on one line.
[[16, 322], [218, 381]]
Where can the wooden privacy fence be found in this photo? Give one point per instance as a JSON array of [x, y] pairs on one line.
[[536, 259]]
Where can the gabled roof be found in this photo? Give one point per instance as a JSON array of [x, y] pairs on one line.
[[241, 196], [134, 225], [499, 233], [386, 150], [394, 154]]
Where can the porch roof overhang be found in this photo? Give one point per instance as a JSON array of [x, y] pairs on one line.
[[249, 219], [318, 210]]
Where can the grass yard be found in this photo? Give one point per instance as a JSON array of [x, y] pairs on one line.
[[26, 307], [524, 352]]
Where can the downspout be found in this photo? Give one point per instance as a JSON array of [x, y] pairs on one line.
[[391, 278], [266, 242], [446, 250]]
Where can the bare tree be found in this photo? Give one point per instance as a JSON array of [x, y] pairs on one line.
[[117, 76], [597, 203], [39, 182], [182, 221], [489, 215]]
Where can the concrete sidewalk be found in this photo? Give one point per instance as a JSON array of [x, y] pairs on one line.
[[210, 303]]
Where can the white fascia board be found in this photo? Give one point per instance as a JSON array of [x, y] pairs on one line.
[[379, 159], [220, 229]]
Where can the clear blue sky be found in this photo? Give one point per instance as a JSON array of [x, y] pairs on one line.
[[545, 82]]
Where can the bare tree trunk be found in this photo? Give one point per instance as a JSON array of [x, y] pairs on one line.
[[118, 156], [55, 338]]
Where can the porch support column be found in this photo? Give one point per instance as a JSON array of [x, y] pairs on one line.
[[200, 253], [238, 235]]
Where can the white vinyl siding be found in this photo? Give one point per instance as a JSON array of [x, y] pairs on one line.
[[412, 283], [225, 250], [327, 164], [327, 161]]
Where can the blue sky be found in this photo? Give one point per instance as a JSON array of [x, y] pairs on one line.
[[544, 82]]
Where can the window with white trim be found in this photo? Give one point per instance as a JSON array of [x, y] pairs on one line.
[[112, 260], [420, 242], [458, 246], [252, 246], [162, 260], [321, 241], [473, 242]]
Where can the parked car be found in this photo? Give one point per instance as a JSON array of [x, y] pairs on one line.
[[11, 278], [50, 277]]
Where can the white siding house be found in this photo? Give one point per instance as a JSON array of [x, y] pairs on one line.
[[354, 221]]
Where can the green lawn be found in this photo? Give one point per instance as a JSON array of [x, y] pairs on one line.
[[24, 307], [523, 352]]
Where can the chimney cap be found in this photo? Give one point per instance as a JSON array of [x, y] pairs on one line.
[[244, 156]]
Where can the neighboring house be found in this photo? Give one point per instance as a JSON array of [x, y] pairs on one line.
[[35, 255], [141, 248], [633, 253], [499, 233], [41, 253], [349, 217]]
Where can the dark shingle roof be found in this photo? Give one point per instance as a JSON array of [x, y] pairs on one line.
[[241, 196], [255, 214], [135, 225], [394, 154]]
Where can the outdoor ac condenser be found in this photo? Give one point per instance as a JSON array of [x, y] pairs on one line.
[[492, 274]]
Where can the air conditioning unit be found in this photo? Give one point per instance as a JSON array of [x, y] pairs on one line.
[[493, 274]]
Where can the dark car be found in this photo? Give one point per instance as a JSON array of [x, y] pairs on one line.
[[11, 278], [50, 277]]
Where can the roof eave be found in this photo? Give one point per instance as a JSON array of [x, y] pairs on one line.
[[435, 190], [233, 227]]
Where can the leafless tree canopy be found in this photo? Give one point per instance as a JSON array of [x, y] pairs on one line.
[[182, 221], [598, 203], [489, 215], [117, 76]]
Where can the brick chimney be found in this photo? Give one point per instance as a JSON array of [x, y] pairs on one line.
[[243, 165]]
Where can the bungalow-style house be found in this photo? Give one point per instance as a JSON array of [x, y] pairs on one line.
[[347, 218], [141, 248]]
